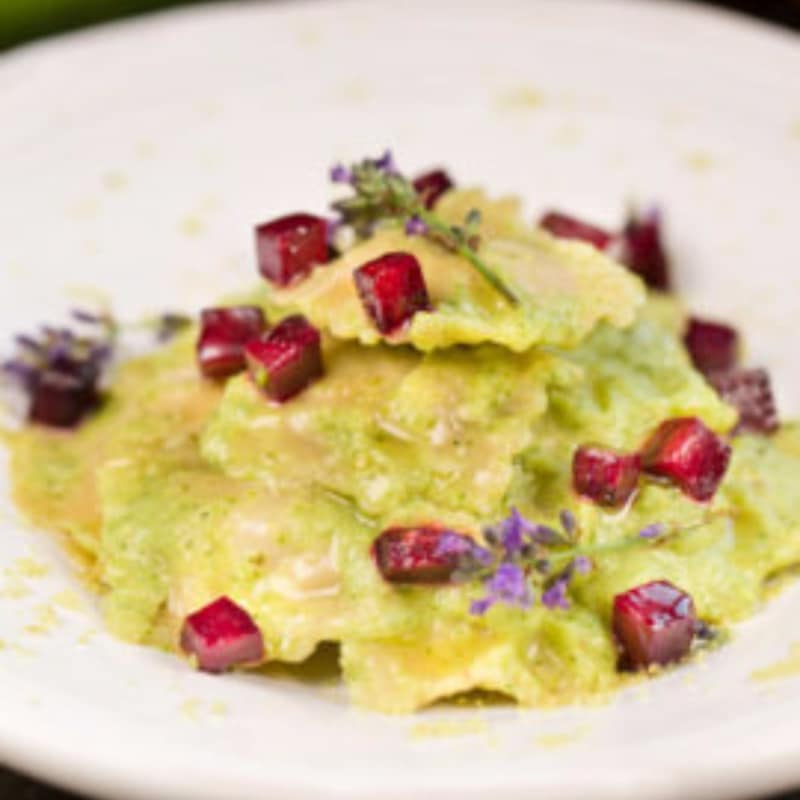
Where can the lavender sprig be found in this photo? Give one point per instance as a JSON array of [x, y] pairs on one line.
[[523, 559], [60, 369], [381, 193], [170, 324], [63, 350]]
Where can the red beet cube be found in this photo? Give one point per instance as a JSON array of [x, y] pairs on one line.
[[60, 398], [430, 186], [223, 335], [686, 453], [642, 251], [750, 392], [654, 624], [222, 635], [712, 345], [287, 359], [605, 476], [419, 555], [566, 227], [392, 289], [290, 247]]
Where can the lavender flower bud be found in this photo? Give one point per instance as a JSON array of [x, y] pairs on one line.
[[654, 531], [341, 174], [416, 227], [556, 595]]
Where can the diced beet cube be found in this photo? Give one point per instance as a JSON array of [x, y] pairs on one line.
[[654, 624], [287, 359], [642, 250], [222, 635], [430, 186], [61, 399], [712, 345], [419, 555], [750, 392], [686, 453], [607, 477], [223, 335], [392, 289], [566, 227], [290, 247]]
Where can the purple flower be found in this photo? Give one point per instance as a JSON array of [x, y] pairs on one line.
[[416, 227], [544, 534], [515, 534], [582, 565], [386, 163], [654, 531], [556, 595], [341, 174], [568, 522], [168, 325], [28, 343], [82, 315], [61, 350], [20, 372], [453, 544], [512, 529], [479, 607], [471, 557], [508, 585]]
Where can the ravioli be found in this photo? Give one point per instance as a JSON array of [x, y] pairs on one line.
[[565, 289], [158, 404], [178, 533], [393, 430], [182, 490]]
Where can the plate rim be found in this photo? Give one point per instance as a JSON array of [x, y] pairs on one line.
[[71, 766]]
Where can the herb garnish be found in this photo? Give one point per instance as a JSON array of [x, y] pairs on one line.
[[63, 349], [382, 194], [60, 370], [522, 559]]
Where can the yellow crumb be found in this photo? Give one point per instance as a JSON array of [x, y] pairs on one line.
[[788, 667], [68, 599], [87, 636], [115, 181], [553, 741], [354, 92], [700, 161], [14, 588], [145, 149], [218, 708], [676, 117], [27, 567], [45, 620], [84, 208], [442, 729], [191, 708], [308, 35], [192, 226], [521, 98], [568, 135]]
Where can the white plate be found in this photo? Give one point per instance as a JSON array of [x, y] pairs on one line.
[[134, 159]]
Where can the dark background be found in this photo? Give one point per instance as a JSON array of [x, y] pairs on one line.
[[23, 20]]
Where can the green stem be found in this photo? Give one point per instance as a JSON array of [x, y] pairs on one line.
[[599, 549], [631, 541], [489, 275]]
